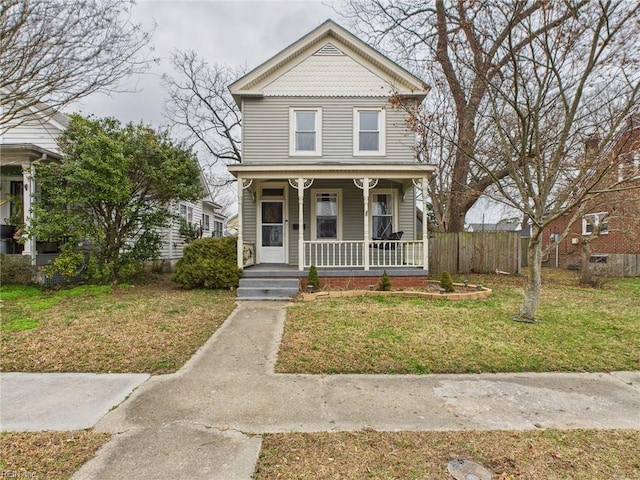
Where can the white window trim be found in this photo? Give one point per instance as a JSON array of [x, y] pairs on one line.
[[356, 133], [206, 222], [292, 132], [396, 208], [600, 216], [314, 223]]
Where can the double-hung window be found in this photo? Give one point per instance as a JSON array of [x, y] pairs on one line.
[[382, 215], [186, 212], [368, 131], [305, 136], [326, 214], [595, 223], [206, 222]]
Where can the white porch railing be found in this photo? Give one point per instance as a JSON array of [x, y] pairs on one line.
[[382, 253], [334, 254]]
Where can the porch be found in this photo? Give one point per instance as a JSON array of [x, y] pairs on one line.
[[337, 216]]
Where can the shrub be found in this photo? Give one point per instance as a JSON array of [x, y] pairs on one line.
[[446, 283], [313, 279], [208, 263], [385, 283], [16, 269]]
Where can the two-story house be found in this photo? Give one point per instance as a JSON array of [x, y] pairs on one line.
[[607, 235], [329, 175]]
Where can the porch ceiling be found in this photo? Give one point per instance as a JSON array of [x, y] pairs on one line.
[[333, 170]]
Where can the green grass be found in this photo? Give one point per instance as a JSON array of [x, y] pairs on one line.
[[152, 328], [578, 329]]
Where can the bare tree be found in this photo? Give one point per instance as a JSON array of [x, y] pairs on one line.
[[59, 51], [459, 50], [200, 106], [561, 110]]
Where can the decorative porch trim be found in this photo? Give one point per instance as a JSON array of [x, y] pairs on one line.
[[306, 182], [359, 182]]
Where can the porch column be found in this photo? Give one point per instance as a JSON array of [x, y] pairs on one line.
[[28, 182], [425, 232], [300, 224], [240, 246], [365, 196]]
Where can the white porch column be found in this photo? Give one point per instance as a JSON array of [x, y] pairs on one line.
[[240, 247], [365, 197], [425, 232], [300, 224], [28, 182]]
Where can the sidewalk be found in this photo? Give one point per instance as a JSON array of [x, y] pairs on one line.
[[205, 421]]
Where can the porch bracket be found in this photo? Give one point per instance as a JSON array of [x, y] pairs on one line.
[[306, 182], [359, 182], [246, 184]]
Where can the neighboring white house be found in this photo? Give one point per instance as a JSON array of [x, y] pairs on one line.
[[24, 144], [204, 216], [329, 171]]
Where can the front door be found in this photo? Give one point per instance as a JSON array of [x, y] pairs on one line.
[[272, 216]]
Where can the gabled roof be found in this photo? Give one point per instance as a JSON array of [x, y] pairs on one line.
[[331, 38]]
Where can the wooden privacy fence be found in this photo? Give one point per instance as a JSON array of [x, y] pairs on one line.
[[475, 252]]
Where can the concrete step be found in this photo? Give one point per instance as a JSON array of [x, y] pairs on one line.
[[268, 288], [270, 282]]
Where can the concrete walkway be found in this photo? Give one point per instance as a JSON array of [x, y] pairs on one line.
[[205, 421]]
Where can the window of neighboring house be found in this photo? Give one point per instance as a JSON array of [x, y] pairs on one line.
[[206, 222], [326, 215], [382, 214], [305, 131], [217, 229], [595, 223], [368, 131], [628, 166], [186, 212]]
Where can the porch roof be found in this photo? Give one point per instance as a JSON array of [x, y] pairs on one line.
[[333, 170], [24, 153]]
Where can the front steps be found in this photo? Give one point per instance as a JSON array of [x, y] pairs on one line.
[[268, 288]]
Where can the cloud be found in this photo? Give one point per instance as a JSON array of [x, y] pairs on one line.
[[232, 32]]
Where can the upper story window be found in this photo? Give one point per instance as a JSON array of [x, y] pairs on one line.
[[305, 136], [368, 131], [595, 223], [206, 222]]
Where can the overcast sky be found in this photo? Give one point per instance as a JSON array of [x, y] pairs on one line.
[[235, 32]]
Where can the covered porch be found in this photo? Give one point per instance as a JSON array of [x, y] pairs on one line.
[[18, 189], [338, 217]]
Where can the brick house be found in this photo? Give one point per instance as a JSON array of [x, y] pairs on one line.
[[610, 223]]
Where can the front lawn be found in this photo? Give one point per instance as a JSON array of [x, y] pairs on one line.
[[153, 328], [548, 454], [580, 329]]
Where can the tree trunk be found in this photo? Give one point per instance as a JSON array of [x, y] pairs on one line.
[[586, 275], [532, 287]]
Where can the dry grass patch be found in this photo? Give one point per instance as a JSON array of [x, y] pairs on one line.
[[153, 328], [47, 455], [579, 329], [548, 454]]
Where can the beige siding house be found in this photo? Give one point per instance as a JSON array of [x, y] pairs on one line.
[[329, 173]]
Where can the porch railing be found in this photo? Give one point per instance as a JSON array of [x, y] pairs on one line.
[[382, 253]]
